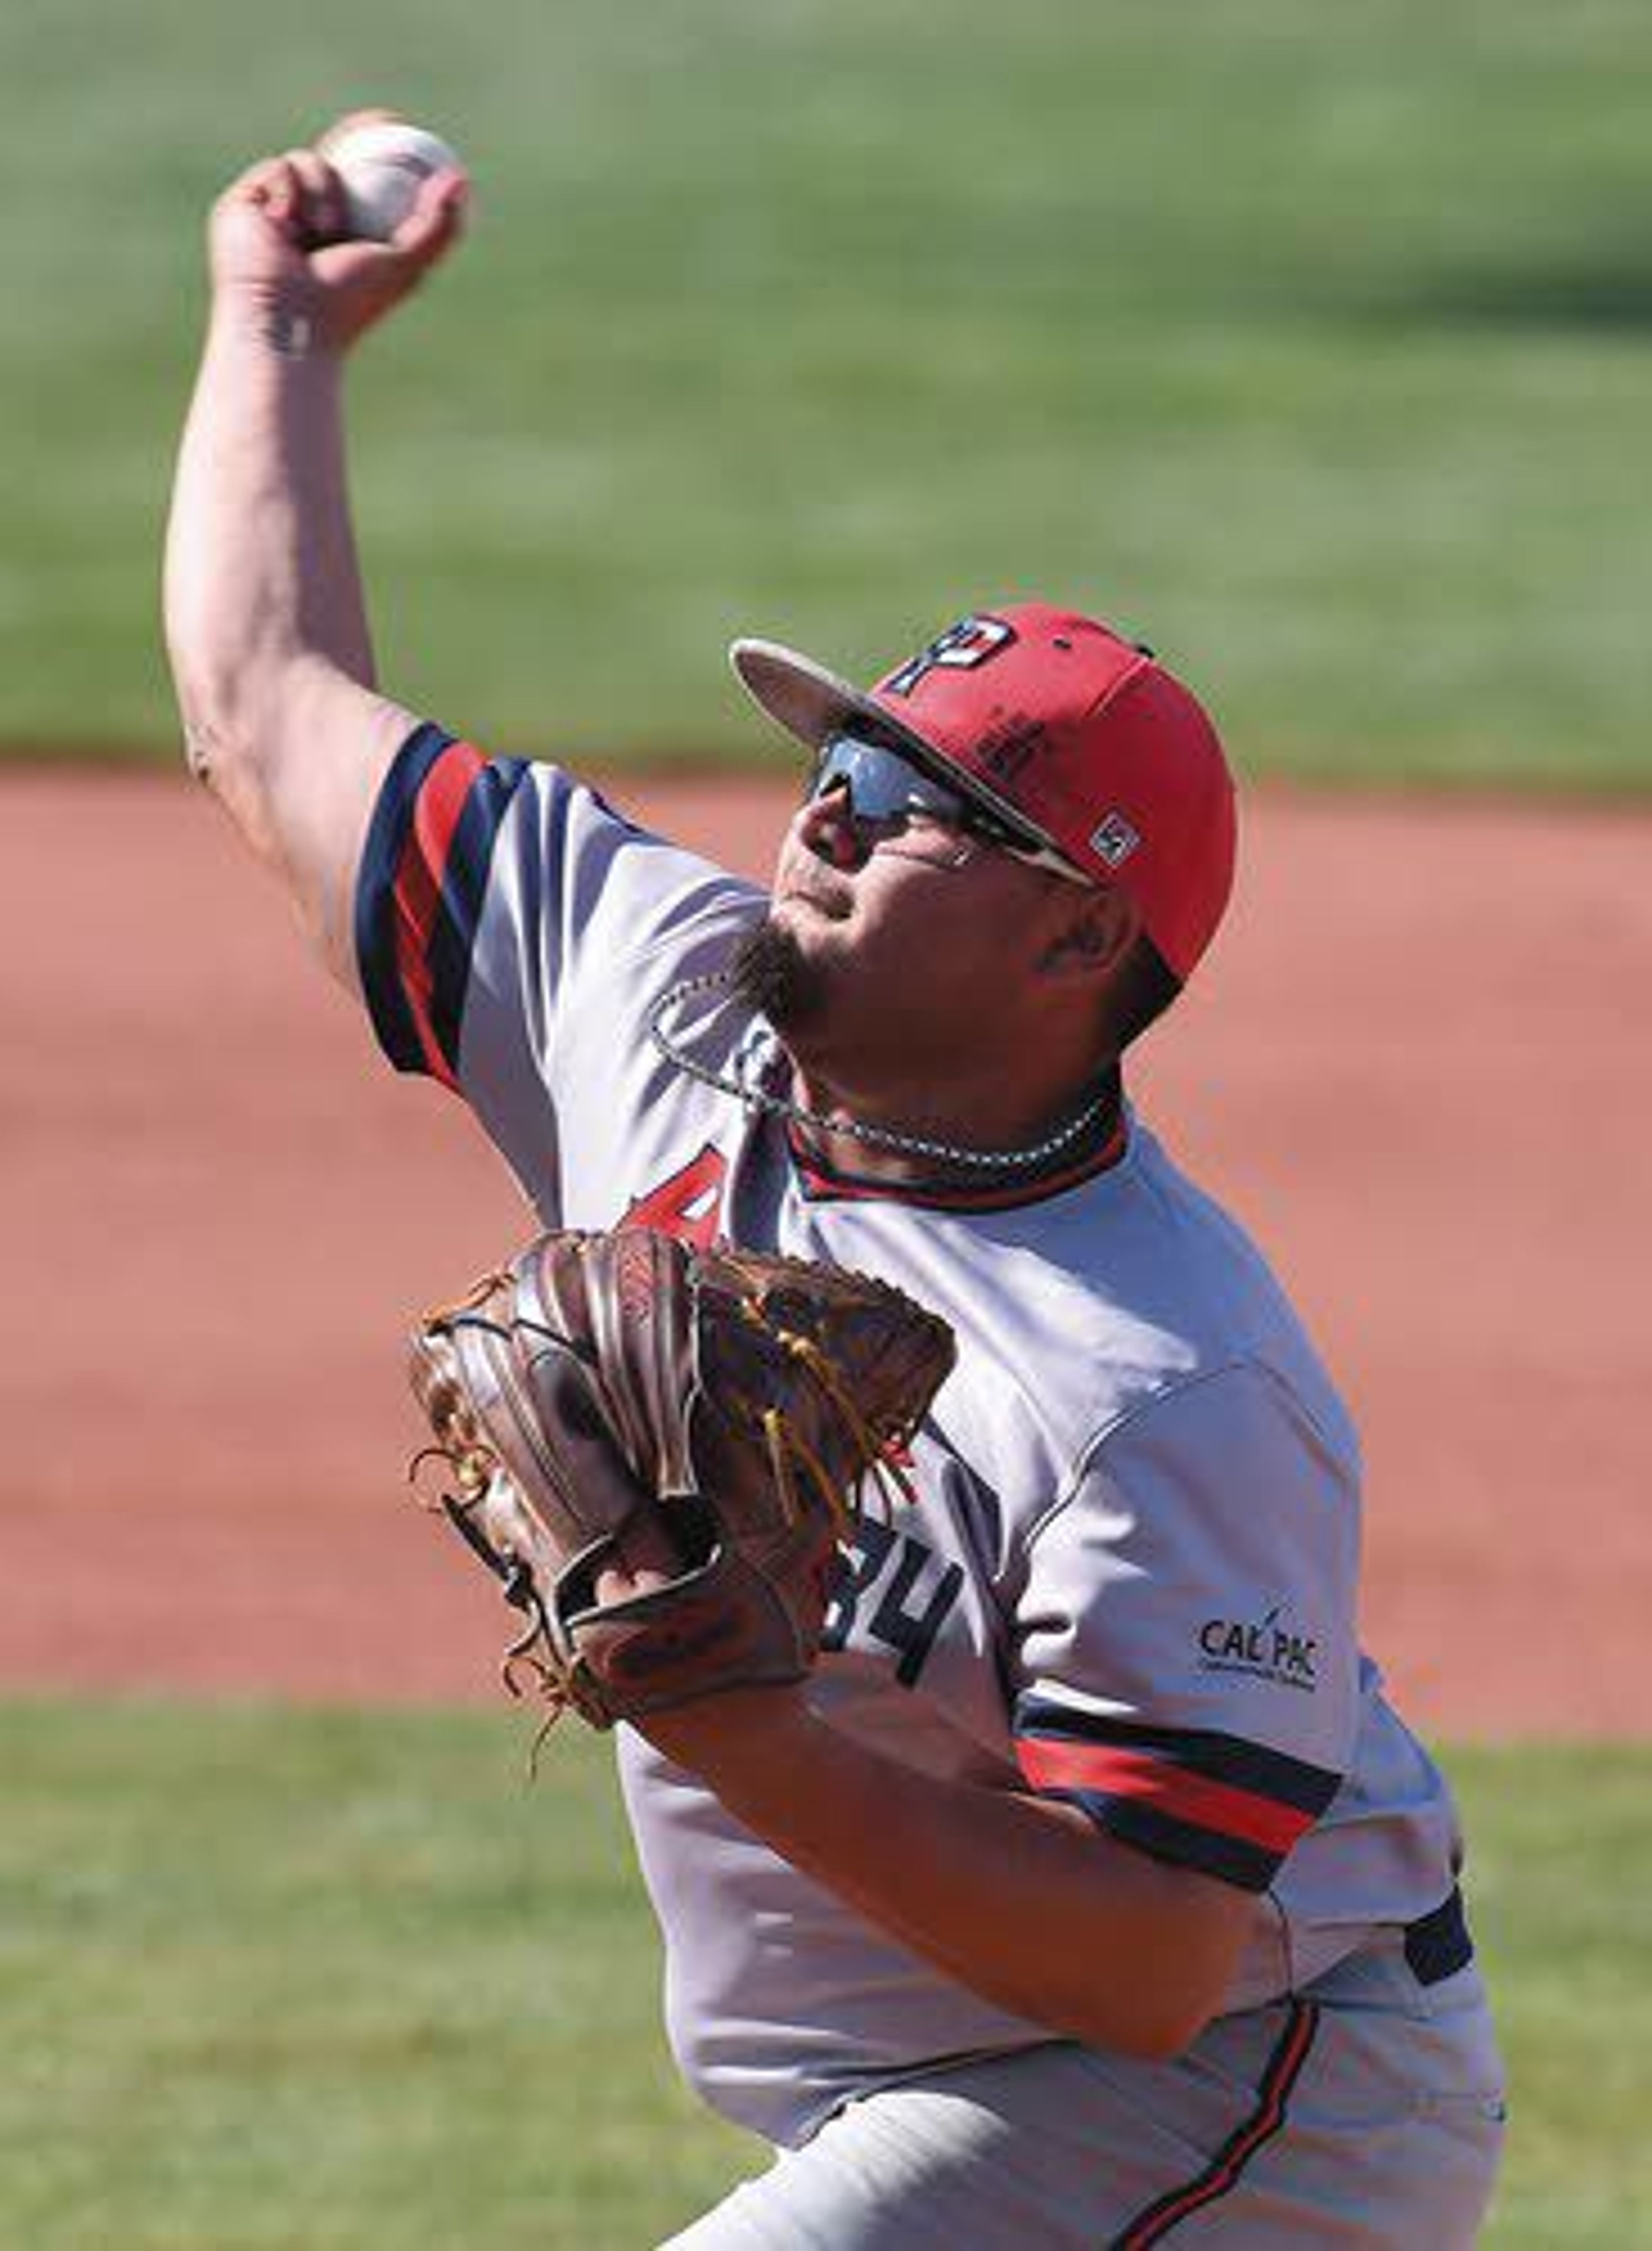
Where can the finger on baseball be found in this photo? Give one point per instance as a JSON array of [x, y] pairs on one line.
[[437, 220], [270, 186], [319, 208], [298, 192]]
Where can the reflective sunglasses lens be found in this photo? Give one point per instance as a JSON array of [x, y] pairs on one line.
[[881, 784]]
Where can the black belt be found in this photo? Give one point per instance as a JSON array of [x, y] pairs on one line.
[[1438, 1945]]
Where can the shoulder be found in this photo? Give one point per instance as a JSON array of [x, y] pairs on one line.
[[495, 895], [1178, 1291], [448, 808], [1135, 1296], [460, 841]]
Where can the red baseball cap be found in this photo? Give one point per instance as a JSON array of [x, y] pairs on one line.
[[1067, 731]]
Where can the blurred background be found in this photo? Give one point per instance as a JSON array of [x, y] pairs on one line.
[[1316, 339], [1311, 345]]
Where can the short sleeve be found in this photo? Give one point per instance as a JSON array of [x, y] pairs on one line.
[[494, 897], [420, 892], [1186, 1647]]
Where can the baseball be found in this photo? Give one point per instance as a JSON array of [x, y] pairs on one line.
[[382, 163]]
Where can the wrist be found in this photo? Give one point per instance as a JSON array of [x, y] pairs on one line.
[[277, 323]]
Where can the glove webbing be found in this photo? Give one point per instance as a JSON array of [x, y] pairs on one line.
[[787, 1446]]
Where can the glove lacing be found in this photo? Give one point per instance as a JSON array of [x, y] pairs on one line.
[[788, 1448]]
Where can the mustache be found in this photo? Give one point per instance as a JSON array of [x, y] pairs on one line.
[[832, 899]]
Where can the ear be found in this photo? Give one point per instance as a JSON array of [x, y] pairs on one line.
[[1096, 929]]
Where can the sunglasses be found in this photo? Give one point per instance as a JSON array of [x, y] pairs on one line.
[[886, 791]]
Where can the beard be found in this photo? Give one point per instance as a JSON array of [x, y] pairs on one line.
[[770, 973]]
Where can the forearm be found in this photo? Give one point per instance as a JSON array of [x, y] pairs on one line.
[[1020, 1898], [263, 590]]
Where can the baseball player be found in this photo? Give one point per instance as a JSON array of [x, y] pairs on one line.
[[1090, 1891]]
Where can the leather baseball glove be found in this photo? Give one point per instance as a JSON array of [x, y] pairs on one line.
[[733, 1401]]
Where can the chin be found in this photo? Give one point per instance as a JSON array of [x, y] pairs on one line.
[[773, 974]]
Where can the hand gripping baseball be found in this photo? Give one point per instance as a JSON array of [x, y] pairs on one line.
[[276, 240], [609, 1394]]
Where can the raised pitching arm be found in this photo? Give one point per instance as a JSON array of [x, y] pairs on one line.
[[265, 619]]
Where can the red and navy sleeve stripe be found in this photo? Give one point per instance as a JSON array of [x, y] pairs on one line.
[[1210, 1801], [419, 897]]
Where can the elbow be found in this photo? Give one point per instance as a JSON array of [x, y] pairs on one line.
[[217, 741], [1172, 1978], [1160, 2035], [238, 725], [1152, 2027], [207, 749], [224, 758], [1161, 1992], [235, 695], [228, 754]]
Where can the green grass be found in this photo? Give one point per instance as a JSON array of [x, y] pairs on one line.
[[320, 1980], [1312, 341], [1560, 1869], [324, 1981]]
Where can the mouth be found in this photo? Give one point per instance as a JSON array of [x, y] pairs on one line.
[[834, 906]]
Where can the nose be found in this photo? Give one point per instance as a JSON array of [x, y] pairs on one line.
[[827, 826]]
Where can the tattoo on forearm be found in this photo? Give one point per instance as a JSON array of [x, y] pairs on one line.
[[290, 334]]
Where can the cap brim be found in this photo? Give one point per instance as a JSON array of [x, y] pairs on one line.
[[814, 705], [808, 701]]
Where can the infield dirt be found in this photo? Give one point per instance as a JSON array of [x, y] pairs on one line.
[[1416, 1067]]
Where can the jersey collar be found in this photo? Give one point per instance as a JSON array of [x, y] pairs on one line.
[[824, 1183]]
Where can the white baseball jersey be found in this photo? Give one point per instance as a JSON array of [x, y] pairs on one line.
[[1128, 1578]]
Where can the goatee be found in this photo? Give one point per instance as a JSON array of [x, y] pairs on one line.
[[771, 975]]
